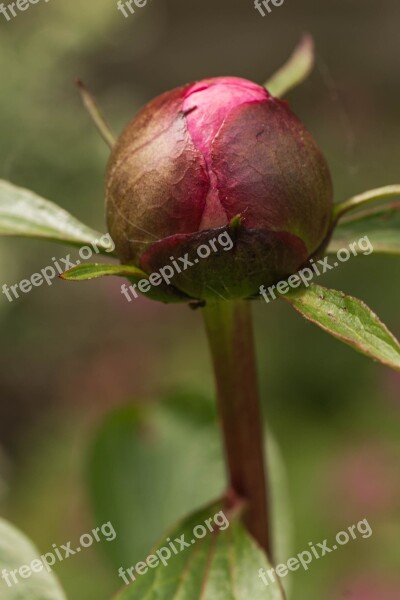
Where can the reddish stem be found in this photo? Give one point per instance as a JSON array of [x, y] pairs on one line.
[[230, 333]]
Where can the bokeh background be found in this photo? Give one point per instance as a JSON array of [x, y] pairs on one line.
[[72, 354]]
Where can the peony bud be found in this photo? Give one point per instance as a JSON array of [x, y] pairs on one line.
[[214, 156]]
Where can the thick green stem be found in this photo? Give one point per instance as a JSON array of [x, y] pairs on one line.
[[230, 334]]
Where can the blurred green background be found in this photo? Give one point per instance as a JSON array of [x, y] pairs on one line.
[[71, 353]]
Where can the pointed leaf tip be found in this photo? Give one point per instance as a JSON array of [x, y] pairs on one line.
[[349, 320], [96, 270], [95, 113], [295, 70]]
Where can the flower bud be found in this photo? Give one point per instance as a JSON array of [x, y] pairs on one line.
[[214, 156]]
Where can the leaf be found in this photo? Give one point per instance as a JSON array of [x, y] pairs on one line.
[[160, 452], [295, 70], [15, 551], [174, 458], [223, 565], [349, 320], [96, 270], [96, 115], [24, 213], [164, 293], [361, 200], [381, 225]]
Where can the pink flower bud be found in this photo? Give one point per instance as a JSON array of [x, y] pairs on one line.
[[197, 157]]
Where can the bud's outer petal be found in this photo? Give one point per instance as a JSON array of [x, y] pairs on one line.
[[195, 158], [270, 170], [157, 180], [256, 258]]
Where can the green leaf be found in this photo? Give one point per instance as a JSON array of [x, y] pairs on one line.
[[174, 458], [15, 551], [381, 225], [139, 467], [24, 213], [96, 115], [295, 70], [223, 565], [164, 293], [349, 320], [362, 200], [96, 270]]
